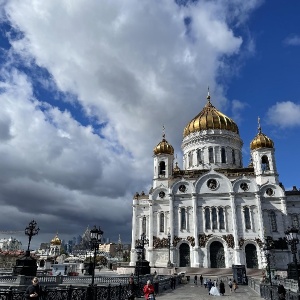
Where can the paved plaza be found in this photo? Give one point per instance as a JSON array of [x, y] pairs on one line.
[[191, 291]]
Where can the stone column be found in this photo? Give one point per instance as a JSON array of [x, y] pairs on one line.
[[133, 234], [260, 217], [150, 233], [196, 224], [218, 222], [171, 225], [237, 251], [211, 219]]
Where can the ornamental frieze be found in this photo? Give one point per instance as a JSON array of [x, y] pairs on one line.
[[229, 240], [241, 242], [191, 239], [203, 238], [259, 242], [176, 240], [160, 243]]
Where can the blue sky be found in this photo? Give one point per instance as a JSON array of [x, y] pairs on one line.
[[86, 88]]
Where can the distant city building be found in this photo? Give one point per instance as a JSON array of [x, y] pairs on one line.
[[10, 244]]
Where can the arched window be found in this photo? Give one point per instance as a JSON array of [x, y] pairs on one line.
[[247, 218], [199, 156], [273, 221], [221, 218], [214, 218], [295, 221], [144, 225], [162, 222], [211, 154], [265, 163], [183, 219], [190, 159], [233, 156], [207, 218], [162, 168], [223, 155]]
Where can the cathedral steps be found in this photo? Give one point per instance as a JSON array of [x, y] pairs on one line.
[[216, 272]]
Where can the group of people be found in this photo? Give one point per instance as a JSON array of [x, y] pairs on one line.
[[148, 290], [216, 288]]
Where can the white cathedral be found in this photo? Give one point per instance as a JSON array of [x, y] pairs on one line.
[[214, 213]]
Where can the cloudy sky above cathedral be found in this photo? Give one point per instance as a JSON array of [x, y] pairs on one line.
[[86, 87]]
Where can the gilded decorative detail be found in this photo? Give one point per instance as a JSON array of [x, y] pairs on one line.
[[203, 238], [229, 240], [191, 239], [163, 147], [160, 243], [259, 242], [176, 240]]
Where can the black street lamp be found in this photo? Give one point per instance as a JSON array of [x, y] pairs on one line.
[[31, 230], [268, 246], [96, 235], [144, 241], [169, 265], [292, 239], [139, 251]]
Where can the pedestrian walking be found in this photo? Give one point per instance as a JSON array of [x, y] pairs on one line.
[[195, 280], [205, 283], [234, 285], [230, 285], [281, 292], [201, 280], [209, 286], [222, 288], [149, 291]]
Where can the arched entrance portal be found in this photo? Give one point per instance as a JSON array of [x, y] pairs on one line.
[[251, 256], [184, 255], [217, 257]]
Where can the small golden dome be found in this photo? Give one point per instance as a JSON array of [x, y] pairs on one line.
[[210, 118], [163, 148], [261, 140], [56, 240]]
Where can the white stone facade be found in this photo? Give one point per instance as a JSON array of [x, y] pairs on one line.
[[217, 212]]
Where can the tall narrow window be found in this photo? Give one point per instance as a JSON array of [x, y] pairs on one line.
[[207, 218], [190, 159], [183, 219], [233, 156], [223, 155], [199, 156], [162, 168], [221, 218], [211, 154], [144, 225], [162, 222], [273, 221], [214, 218], [265, 163], [247, 218], [295, 221]]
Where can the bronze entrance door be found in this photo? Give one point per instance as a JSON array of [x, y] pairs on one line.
[[217, 256], [184, 255], [251, 256]]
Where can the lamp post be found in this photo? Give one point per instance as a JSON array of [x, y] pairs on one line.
[[292, 239], [268, 246], [96, 235], [31, 230], [139, 251], [169, 265]]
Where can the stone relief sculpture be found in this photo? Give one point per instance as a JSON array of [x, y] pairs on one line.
[[176, 240], [259, 242], [203, 238], [229, 240], [191, 239], [160, 243], [241, 242]]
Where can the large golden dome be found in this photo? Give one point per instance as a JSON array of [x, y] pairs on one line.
[[56, 241], [261, 140], [163, 147], [210, 118]]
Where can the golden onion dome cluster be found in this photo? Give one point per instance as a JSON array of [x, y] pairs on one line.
[[56, 241], [163, 147], [210, 118]]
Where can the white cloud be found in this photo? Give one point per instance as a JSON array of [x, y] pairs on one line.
[[131, 65], [284, 114], [237, 108], [293, 40]]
